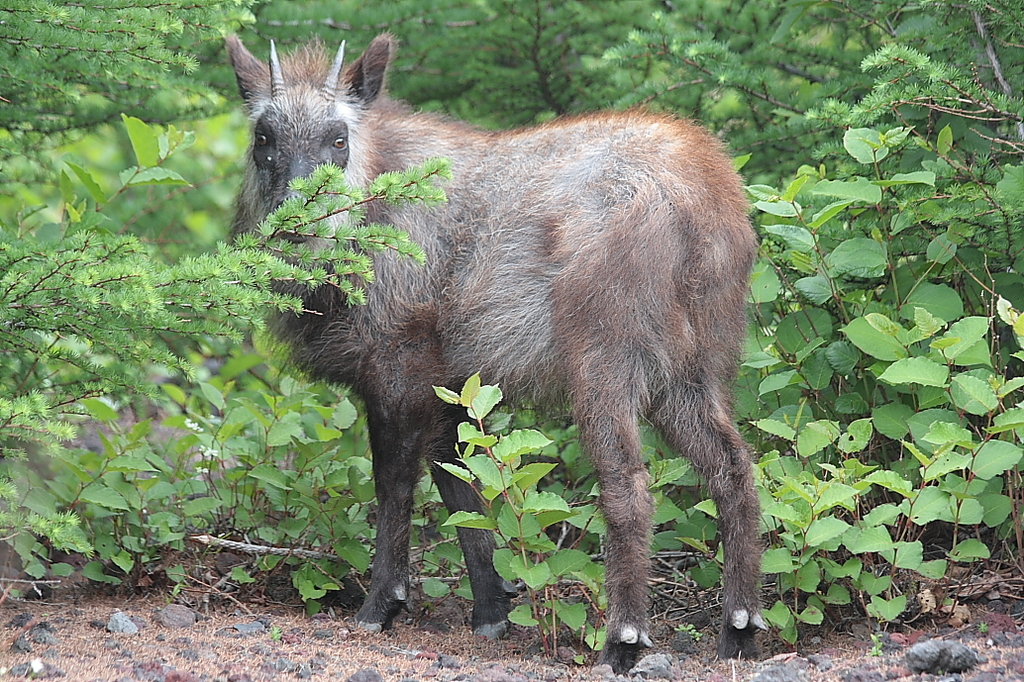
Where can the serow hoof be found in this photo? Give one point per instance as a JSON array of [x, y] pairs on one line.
[[622, 655], [737, 638], [491, 630]]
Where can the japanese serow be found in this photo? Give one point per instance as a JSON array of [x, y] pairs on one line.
[[599, 261]]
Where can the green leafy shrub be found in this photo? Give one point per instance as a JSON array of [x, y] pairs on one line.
[[882, 388]]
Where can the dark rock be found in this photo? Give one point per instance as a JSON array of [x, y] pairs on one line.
[[655, 667], [150, 671], [121, 624], [862, 675], [44, 633], [682, 642], [284, 665], [253, 628], [176, 616], [98, 624], [21, 645], [785, 672], [20, 620], [139, 621], [326, 633], [495, 674], [365, 675], [820, 661], [304, 672], [936, 657], [445, 661]]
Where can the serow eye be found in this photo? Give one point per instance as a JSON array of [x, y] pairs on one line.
[[340, 143], [261, 140]]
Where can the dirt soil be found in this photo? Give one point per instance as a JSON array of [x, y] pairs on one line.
[[68, 637]]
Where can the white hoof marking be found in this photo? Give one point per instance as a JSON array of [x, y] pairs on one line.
[[629, 635], [740, 619], [758, 622]]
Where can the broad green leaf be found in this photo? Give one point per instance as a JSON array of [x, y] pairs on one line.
[[873, 342], [544, 501], [843, 356], [965, 333], [823, 216], [811, 615], [816, 288], [91, 186], [133, 177], [891, 480], [99, 409], [940, 300], [816, 436], [909, 555], [969, 550], [856, 438], [764, 283], [887, 609], [145, 141], [776, 382], [916, 371], [484, 468], [870, 539], [941, 432], [915, 178], [941, 249], [282, 432], [435, 589], [565, 561], [931, 504], [799, 328], [816, 371], [835, 494], [824, 529], [858, 189], [457, 471], [573, 615], [973, 395], [484, 401], [271, 475], [783, 209], [777, 560], [1009, 420], [521, 615], [447, 395], [94, 571], [776, 428], [994, 457], [997, 508], [794, 187], [470, 389], [795, 237], [97, 493], [935, 569], [865, 145], [466, 519], [529, 474], [520, 442], [200, 505], [945, 142]]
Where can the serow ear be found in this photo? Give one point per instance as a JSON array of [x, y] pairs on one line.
[[252, 74], [364, 78]]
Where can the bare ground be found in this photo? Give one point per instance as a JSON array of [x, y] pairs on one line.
[[67, 637]]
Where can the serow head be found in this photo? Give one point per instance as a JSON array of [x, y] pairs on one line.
[[305, 111]]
